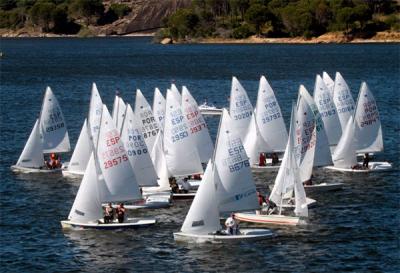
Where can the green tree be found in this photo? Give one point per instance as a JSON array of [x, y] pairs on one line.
[[183, 23], [345, 17], [8, 4], [120, 9], [362, 14], [256, 15], [42, 14], [297, 20], [88, 9]]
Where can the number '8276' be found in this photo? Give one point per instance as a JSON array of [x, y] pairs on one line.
[[115, 161]]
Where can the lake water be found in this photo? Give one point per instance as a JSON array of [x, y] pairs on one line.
[[355, 229]]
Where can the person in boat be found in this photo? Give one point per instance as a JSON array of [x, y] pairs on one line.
[[232, 226], [108, 214], [366, 160], [309, 181], [261, 201], [356, 167], [174, 186], [184, 185], [121, 213], [262, 160], [275, 159], [271, 206], [196, 177]]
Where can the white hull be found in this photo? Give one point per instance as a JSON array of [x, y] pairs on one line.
[[19, 169], [372, 167], [129, 223], [189, 195], [309, 201], [268, 219], [68, 173], [322, 187], [210, 111], [246, 235], [256, 168]]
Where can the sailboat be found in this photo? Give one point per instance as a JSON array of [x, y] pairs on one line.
[[329, 83], [267, 131], [287, 181], [89, 132], [148, 123], [363, 133], [240, 108], [49, 135], [227, 186], [109, 177], [159, 107]]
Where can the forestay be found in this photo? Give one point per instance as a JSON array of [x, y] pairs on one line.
[[345, 152], [137, 150], [240, 108], [322, 152], [87, 205], [159, 108], [343, 100], [328, 82], [368, 128], [83, 149], [118, 113], [236, 190], [118, 175], [32, 154], [203, 215], [324, 101], [53, 128], [95, 109], [144, 114], [197, 126], [181, 158]]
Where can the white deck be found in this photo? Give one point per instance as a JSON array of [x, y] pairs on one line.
[[268, 219], [372, 167], [128, 223]]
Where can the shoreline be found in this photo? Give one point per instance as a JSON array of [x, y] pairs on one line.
[[327, 38]]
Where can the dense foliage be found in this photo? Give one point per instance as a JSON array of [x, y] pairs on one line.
[[281, 18], [59, 16]]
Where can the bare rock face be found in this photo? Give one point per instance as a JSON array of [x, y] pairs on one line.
[[146, 16]]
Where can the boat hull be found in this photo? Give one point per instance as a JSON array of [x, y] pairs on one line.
[[184, 196], [210, 111], [373, 167], [68, 173], [18, 169], [246, 235], [265, 219], [130, 223], [256, 168], [322, 187]]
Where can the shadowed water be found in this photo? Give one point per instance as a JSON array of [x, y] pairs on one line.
[[355, 229]]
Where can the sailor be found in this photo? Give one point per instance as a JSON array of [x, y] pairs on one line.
[[262, 159], [261, 201], [275, 159], [174, 186], [366, 160], [184, 185], [232, 226], [121, 213], [108, 214]]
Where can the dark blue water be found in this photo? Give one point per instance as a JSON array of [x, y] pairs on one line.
[[355, 229]]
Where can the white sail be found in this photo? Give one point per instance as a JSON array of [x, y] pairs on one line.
[[175, 93], [95, 109], [324, 101], [136, 148], [117, 172], [306, 135], [368, 128], [343, 100], [32, 154], [236, 190], [254, 143], [345, 152], [288, 178], [328, 82], [53, 128], [160, 163], [181, 158], [83, 149], [203, 215], [118, 113], [240, 108], [159, 107], [87, 205], [322, 152], [148, 123], [197, 126], [269, 119]]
